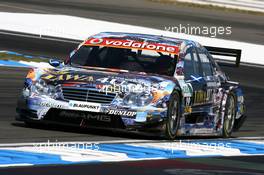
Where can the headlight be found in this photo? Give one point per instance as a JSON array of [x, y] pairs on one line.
[[40, 87], [141, 99]]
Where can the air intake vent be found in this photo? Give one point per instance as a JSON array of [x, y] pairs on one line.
[[88, 95]]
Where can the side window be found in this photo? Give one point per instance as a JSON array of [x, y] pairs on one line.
[[191, 64], [213, 62], [196, 63], [206, 64]]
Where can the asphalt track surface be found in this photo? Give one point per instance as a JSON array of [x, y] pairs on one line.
[[246, 28]]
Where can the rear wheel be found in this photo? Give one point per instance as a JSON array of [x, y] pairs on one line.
[[230, 115], [173, 114]]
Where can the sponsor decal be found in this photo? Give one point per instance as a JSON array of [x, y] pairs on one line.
[[157, 95], [202, 130], [67, 77], [72, 114], [187, 89], [86, 116], [84, 106], [31, 74], [122, 113], [211, 84], [188, 109], [217, 96], [50, 105], [188, 101], [240, 99], [132, 44], [194, 78], [241, 108], [203, 96], [101, 117]]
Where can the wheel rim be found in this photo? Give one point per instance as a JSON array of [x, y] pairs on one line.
[[174, 117], [230, 117]]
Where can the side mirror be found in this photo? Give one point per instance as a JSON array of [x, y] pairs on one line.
[[55, 62]]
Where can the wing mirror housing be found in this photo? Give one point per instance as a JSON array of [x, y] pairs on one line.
[[55, 62]]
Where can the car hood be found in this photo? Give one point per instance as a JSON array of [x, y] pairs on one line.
[[104, 78]]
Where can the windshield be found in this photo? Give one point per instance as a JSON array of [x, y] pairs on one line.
[[128, 59]]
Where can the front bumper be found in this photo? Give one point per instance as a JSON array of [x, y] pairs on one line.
[[43, 109]]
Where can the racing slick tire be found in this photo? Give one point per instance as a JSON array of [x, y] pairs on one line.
[[230, 115], [172, 123]]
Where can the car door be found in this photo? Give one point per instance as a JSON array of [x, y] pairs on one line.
[[199, 73], [194, 76]]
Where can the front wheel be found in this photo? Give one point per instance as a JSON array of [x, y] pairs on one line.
[[230, 115], [173, 115]]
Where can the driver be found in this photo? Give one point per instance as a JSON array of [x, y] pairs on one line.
[[131, 62]]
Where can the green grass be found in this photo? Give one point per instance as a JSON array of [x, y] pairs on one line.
[[204, 6]]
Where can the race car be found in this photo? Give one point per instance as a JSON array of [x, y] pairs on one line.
[[136, 82]]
